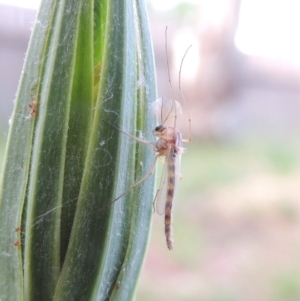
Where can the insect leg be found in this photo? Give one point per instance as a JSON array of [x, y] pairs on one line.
[[133, 137], [134, 185]]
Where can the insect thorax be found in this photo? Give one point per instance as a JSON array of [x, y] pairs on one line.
[[170, 139]]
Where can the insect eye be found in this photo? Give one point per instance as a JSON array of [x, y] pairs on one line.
[[158, 128]]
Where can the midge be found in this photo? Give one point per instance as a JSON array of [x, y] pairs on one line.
[[169, 148]]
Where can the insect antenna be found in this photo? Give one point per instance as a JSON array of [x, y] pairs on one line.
[[183, 97], [170, 83], [174, 106]]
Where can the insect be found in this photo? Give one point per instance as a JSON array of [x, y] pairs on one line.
[[17, 244], [33, 107], [169, 147]]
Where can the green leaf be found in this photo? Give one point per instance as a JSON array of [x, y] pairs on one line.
[[63, 116], [89, 70], [17, 162], [140, 224]]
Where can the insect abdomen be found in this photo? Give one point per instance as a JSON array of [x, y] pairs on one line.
[[170, 196]]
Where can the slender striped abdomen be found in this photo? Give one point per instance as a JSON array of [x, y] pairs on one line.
[[170, 196]]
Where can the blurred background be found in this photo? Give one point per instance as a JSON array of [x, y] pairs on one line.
[[236, 219]]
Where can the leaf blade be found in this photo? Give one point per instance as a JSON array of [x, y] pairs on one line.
[[17, 160]]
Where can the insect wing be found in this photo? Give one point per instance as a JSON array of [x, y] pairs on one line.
[[171, 163], [166, 110], [161, 195], [177, 172]]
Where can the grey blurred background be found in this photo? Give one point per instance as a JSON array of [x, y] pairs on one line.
[[236, 220]]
